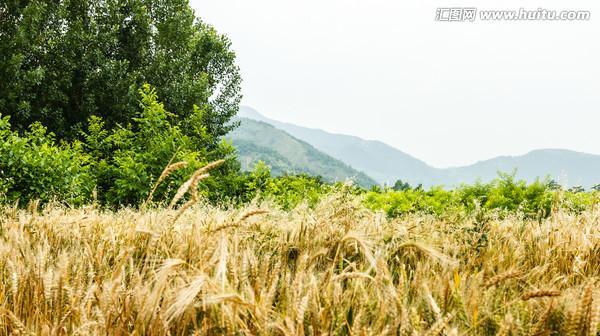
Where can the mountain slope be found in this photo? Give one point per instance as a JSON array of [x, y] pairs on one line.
[[387, 164], [384, 163], [258, 141]]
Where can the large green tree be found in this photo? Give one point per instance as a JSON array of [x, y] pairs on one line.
[[62, 61]]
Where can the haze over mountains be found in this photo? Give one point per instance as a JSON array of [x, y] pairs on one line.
[[386, 164]]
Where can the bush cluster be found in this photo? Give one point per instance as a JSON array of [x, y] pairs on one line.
[[503, 195], [115, 167], [36, 166], [288, 190]]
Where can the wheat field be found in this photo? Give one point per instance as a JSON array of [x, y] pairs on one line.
[[335, 269]]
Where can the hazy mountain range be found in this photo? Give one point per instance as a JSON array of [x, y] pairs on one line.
[[258, 141], [292, 148]]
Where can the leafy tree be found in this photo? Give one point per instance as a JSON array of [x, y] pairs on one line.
[[596, 187], [474, 195], [577, 189], [401, 186], [553, 185], [63, 61]]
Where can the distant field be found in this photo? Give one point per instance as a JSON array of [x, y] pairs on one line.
[[337, 269]]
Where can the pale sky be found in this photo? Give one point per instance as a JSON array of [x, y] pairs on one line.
[[449, 93]]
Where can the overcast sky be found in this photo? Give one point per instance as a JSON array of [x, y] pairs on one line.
[[448, 93]]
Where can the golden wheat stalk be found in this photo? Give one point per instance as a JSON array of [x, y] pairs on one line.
[[594, 324], [493, 281], [430, 252], [439, 325], [352, 275], [165, 173], [18, 327], [191, 184], [251, 214], [539, 328], [187, 205], [186, 297], [240, 221], [540, 294], [579, 322]]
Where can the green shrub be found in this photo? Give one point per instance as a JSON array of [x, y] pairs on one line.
[[129, 160], [34, 166], [291, 190], [397, 203], [287, 191], [503, 195]]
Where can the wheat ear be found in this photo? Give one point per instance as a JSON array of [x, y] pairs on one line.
[[579, 321], [493, 281], [541, 293], [165, 173], [539, 328]]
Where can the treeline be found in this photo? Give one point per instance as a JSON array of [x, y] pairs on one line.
[[119, 167], [504, 195]]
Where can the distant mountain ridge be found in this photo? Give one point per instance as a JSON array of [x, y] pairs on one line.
[[258, 141], [374, 158], [569, 168], [386, 164]]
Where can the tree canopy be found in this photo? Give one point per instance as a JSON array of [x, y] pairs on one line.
[[63, 61]]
